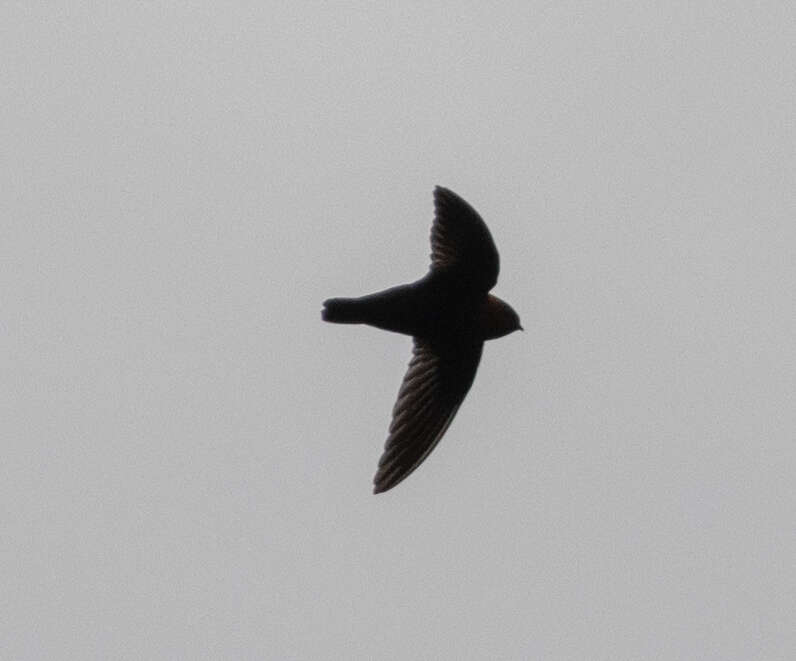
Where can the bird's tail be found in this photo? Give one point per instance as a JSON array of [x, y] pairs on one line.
[[343, 311]]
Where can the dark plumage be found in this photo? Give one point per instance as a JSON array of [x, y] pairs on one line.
[[449, 313]]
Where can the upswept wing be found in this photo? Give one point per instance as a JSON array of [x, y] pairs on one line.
[[461, 243]]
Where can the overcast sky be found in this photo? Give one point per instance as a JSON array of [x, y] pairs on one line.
[[188, 450]]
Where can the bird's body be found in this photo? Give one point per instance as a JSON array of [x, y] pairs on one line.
[[450, 314], [434, 306]]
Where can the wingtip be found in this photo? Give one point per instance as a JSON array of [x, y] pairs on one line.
[[445, 196], [382, 483], [442, 197]]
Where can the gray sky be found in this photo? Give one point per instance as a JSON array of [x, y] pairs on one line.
[[188, 449]]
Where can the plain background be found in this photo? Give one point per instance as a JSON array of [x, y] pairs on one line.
[[188, 450]]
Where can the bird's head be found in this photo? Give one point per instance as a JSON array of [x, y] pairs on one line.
[[498, 318]]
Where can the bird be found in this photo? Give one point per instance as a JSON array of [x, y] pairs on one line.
[[450, 314]]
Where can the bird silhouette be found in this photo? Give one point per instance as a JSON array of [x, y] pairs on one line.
[[449, 313]]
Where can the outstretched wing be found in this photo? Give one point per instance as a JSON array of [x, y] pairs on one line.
[[432, 391], [461, 242]]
